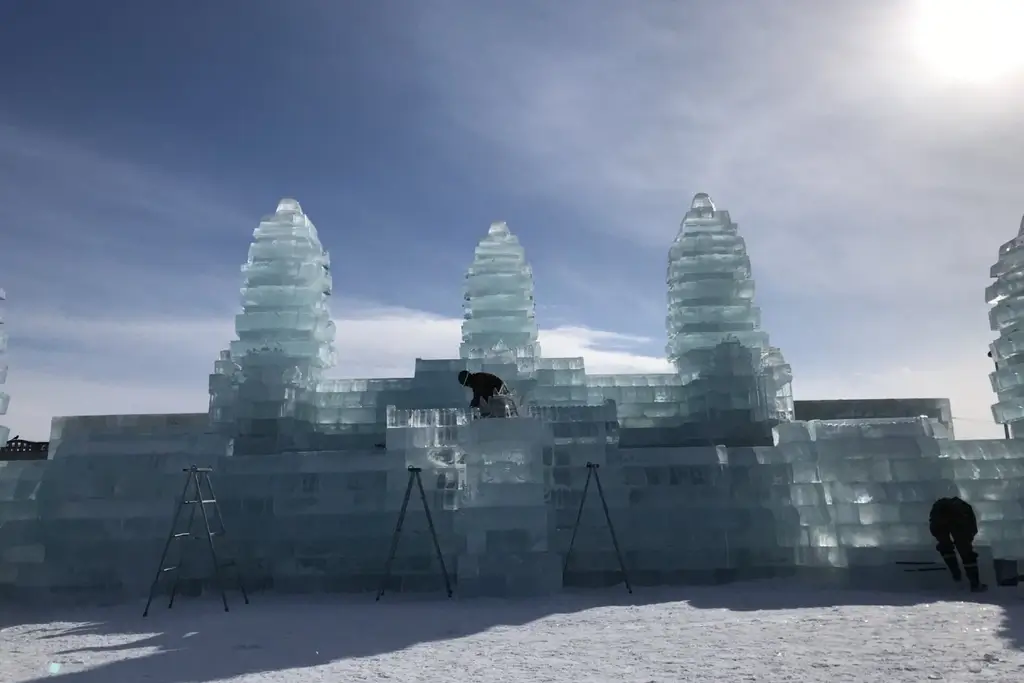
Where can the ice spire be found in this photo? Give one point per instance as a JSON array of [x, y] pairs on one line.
[[499, 312], [1005, 296], [4, 398], [285, 333], [711, 312]]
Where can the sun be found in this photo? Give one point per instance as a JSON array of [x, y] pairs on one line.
[[972, 41]]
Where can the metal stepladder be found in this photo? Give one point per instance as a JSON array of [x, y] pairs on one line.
[[196, 477], [414, 478], [508, 402], [592, 474]]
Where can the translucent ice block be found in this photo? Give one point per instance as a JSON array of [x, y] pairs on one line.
[[499, 308]]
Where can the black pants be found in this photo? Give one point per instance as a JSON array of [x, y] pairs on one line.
[[953, 541]]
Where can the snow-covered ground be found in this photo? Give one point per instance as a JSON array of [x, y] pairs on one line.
[[764, 632]]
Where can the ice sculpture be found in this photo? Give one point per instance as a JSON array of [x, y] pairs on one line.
[[715, 338], [1005, 296], [4, 398], [272, 371], [505, 495], [499, 312]]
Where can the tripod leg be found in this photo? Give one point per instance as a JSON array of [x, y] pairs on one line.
[[167, 547], [611, 529], [433, 535], [394, 538], [223, 530], [579, 515], [209, 541], [183, 552]]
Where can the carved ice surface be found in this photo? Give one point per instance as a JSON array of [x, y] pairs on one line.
[[1005, 296], [285, 333], [4, 398], [714, 329], [499, 311]]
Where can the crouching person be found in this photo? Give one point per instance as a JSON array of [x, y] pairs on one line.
[[953, 524]]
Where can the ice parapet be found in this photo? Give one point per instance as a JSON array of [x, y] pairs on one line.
[[499, 311], [285, 333], [715, 338], [1006, 316]]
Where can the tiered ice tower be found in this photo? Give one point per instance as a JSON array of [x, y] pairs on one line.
[[499, 313], [4, 398], [714, 329], [1006, 298], [268, 380]]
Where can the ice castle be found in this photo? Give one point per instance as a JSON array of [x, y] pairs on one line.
[[710, 473]]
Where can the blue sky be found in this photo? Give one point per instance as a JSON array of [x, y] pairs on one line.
[[141, 142]]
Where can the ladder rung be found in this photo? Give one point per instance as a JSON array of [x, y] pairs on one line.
[[169, 569], [182, 534], [204, 502], [216, 533]]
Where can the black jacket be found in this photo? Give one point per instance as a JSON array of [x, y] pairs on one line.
[[484, 386], [954, 516]]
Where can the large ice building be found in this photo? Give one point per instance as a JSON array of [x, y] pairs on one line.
[[1006, 298], [706, 475]]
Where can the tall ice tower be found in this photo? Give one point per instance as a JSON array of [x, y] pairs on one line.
[[266, 384], [715, 338], [499, 317], [1005, 296], [4, 398]]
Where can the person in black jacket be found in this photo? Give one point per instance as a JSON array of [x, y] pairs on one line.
[[486, 387], [954, 526]]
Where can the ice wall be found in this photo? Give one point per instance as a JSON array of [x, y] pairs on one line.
[[842, 499], [499, 311], [264, 388], [1005, 296], [715, 338], [4, 398]]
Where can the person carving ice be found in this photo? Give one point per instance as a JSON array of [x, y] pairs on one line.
[[490, 394], [954, 526]]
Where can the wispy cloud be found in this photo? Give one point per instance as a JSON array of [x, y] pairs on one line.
[[872, 199], [140, 365]]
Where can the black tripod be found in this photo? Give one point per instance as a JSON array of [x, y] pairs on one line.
[[414, 478], [592, 472]]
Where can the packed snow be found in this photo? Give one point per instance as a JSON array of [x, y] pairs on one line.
[[764, 632]]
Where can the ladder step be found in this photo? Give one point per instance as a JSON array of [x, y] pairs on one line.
[[169, 569], [204, 502], [182, 534]]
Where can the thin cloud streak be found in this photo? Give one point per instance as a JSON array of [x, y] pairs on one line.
[[872, 201], [139, 365]]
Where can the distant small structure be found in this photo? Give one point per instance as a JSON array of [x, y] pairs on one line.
[[20, 449]]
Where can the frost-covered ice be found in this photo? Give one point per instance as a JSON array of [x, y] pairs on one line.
[[762, 632]]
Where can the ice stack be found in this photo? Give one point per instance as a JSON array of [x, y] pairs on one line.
[[1005, 296], [499, 312], [863, 488], [503, 515], [733, 376], [285, 336], [4, 398]]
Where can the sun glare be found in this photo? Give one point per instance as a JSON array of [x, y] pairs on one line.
[[974, 41]]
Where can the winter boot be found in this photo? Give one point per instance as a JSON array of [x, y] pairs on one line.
[[974, 579], [954, 566]]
